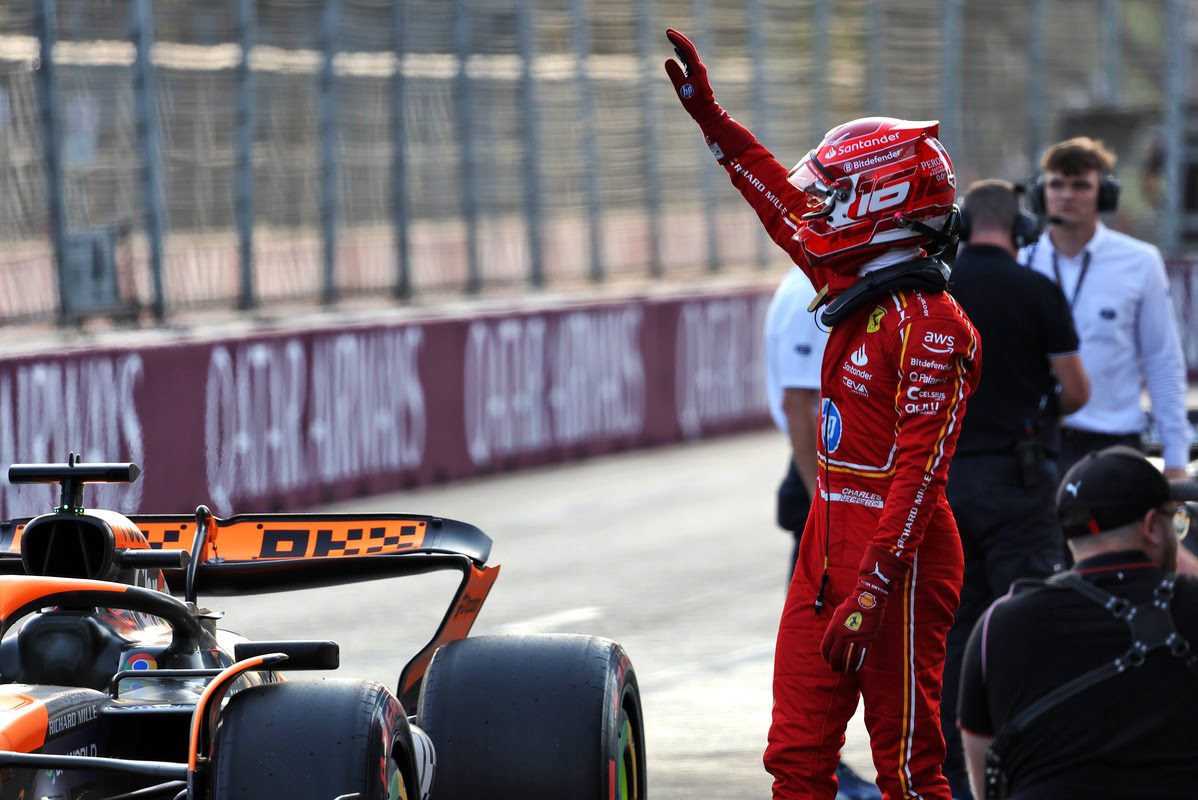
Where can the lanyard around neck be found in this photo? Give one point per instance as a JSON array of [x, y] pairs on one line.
[[1081, 275]]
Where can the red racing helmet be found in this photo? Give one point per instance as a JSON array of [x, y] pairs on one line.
[[869, 184]]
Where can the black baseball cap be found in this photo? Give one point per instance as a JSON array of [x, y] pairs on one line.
[[1113, 487]]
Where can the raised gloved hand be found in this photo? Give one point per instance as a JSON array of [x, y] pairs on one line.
[[690, 80], [725, 136], [855, 622]]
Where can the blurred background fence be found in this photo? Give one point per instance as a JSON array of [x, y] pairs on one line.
[[162, 156]]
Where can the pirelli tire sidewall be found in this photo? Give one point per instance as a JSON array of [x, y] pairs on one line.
[[550, 715], [315, 739]]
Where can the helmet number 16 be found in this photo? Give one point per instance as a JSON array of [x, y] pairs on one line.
[[884, 198]]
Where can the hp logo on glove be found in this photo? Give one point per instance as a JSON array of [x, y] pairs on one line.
[[687, 91]]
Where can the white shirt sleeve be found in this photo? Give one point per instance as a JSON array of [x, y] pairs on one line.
[[794, 342], [1164, 365], [802, 351]]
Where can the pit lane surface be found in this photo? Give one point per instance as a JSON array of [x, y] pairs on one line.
[[672, 552]]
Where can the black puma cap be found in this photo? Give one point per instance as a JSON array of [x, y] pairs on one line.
[[1113, 487]]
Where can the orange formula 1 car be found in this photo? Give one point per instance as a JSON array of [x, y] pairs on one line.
[[112, 688]]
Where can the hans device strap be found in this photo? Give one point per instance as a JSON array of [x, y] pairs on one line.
[[927, 274]]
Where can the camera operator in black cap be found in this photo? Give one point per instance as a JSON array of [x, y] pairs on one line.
[[1085, 684]]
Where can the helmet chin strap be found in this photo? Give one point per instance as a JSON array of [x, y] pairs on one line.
[[945, 237]]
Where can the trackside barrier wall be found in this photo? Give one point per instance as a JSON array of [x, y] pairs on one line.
[[291, 419], [286, 420]]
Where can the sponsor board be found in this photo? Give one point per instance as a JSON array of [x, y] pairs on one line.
[[282, 420]]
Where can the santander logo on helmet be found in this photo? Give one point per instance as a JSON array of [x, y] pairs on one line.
[[864, 180], [868, 143]]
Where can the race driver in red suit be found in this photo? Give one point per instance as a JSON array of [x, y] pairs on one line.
[[880, 565]]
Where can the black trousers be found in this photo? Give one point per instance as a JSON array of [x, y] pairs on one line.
[[794, 503], [1007, 532]]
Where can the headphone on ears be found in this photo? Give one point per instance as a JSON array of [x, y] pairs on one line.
[[1025, 228], [1108, 194]]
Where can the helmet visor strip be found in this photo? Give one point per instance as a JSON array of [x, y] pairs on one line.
[[822, 189]]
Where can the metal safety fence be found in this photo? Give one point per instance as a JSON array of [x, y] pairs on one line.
[[163, 155]]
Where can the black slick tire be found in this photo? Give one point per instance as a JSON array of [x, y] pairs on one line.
[[514, 717], [312, 739]]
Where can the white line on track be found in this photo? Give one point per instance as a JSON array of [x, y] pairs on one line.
[[669, 677], [554, 621]]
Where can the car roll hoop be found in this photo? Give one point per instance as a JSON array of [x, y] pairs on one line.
[[72, 477]]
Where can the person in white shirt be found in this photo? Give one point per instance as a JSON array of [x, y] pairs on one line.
[[794, 351], [1119, 295]]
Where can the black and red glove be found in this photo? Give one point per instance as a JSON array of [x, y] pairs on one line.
[[855, 622], [725, 136]]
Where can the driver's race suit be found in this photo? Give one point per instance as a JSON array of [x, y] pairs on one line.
[[895, 376]]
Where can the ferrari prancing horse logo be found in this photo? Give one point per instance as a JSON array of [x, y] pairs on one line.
[[875, 320]]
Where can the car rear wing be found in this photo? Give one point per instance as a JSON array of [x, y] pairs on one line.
[[259, 553], [244, 554], [254, 553]]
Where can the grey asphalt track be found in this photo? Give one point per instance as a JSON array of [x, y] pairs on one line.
[[672, 552]]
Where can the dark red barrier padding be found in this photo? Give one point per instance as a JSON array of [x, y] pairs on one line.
[[283, 421]]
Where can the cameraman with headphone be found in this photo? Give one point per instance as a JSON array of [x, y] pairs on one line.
[[1117, 290], [1001, 483]]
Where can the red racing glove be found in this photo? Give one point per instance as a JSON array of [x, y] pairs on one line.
[[855, 622], [725, 136]]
